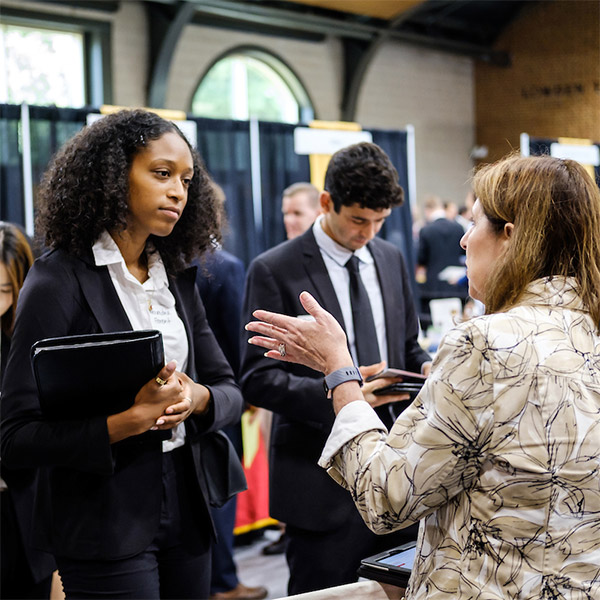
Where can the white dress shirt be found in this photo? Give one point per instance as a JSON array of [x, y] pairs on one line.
[[148, 305], [336, 257]]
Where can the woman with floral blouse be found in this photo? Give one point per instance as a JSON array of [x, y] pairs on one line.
[[499, 455]]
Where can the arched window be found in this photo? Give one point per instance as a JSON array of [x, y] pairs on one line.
[[252, 84]]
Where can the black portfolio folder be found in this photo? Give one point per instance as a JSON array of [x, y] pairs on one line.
[[96, 374]]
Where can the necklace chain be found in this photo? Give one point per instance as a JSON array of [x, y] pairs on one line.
[[149, 298]]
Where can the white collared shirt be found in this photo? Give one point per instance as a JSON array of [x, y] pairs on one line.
[[148, 305], [336, 257]]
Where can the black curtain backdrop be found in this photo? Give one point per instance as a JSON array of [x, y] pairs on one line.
[[280, 167], [50, 128], [11, 174], [225, 148], [398, 227]]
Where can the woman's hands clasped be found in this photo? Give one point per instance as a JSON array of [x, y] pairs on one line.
[[162, 403], [190, 398]]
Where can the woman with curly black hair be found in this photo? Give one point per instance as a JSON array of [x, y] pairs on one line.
[[124, 206]]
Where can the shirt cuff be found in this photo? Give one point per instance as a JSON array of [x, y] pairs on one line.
[[352, 420]]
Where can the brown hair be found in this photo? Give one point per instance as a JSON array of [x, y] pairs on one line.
[[16, 255], [555, 208]]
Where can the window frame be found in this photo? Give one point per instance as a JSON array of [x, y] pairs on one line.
[[96, 47], [306, 107]]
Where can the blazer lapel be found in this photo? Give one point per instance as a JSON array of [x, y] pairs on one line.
[[319, 276], [102, 297], [182, 289]]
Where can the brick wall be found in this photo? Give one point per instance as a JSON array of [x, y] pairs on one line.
[[552, 88]]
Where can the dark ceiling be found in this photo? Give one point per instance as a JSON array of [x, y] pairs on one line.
[[467, 27], [464, 26]]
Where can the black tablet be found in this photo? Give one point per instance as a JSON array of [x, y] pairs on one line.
[[398, 560], [399, 388]]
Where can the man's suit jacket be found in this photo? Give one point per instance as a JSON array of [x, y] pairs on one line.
[[220, 280], [97, 500], [439, 247], [301, 493]]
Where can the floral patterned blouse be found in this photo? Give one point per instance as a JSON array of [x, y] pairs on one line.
[[498, 456]]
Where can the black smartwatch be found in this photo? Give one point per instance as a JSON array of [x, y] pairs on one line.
[[340, 376]]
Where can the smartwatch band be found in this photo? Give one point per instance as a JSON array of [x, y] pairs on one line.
[[340, 376]]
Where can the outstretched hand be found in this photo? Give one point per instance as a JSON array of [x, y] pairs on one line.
[[318, 343]]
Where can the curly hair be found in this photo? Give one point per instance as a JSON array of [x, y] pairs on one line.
[[86, 190], [17, 257], [363, 174], [555, 208]]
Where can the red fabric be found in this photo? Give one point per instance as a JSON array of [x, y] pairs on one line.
[[253, 504]]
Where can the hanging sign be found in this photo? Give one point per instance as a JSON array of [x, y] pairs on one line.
[[308, 140]]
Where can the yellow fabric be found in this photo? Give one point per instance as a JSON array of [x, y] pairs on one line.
[[318, 162], [170, 115], [250, 437], [262, 523]]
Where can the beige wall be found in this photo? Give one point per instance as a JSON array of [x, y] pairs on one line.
[[130, 55], [434, 92]]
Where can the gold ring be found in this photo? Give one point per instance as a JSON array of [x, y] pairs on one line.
[[160, 380], [282, 351]]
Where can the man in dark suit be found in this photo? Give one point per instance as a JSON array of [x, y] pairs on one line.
[[327, 538], [439, 247]]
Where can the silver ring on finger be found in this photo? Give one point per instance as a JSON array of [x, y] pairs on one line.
[[282, 351]]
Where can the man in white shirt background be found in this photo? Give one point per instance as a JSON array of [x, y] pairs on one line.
[[300, 208]]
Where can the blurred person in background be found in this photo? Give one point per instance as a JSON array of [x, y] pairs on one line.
[[220, 280], [300, 208], [26, 572], [439, 248]]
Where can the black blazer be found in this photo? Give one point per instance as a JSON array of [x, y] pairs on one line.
[[439, 247], [301, 492], [220, 280], [97, 500]]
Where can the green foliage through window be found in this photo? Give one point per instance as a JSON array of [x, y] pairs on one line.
[[41, 66], [243, 87]]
